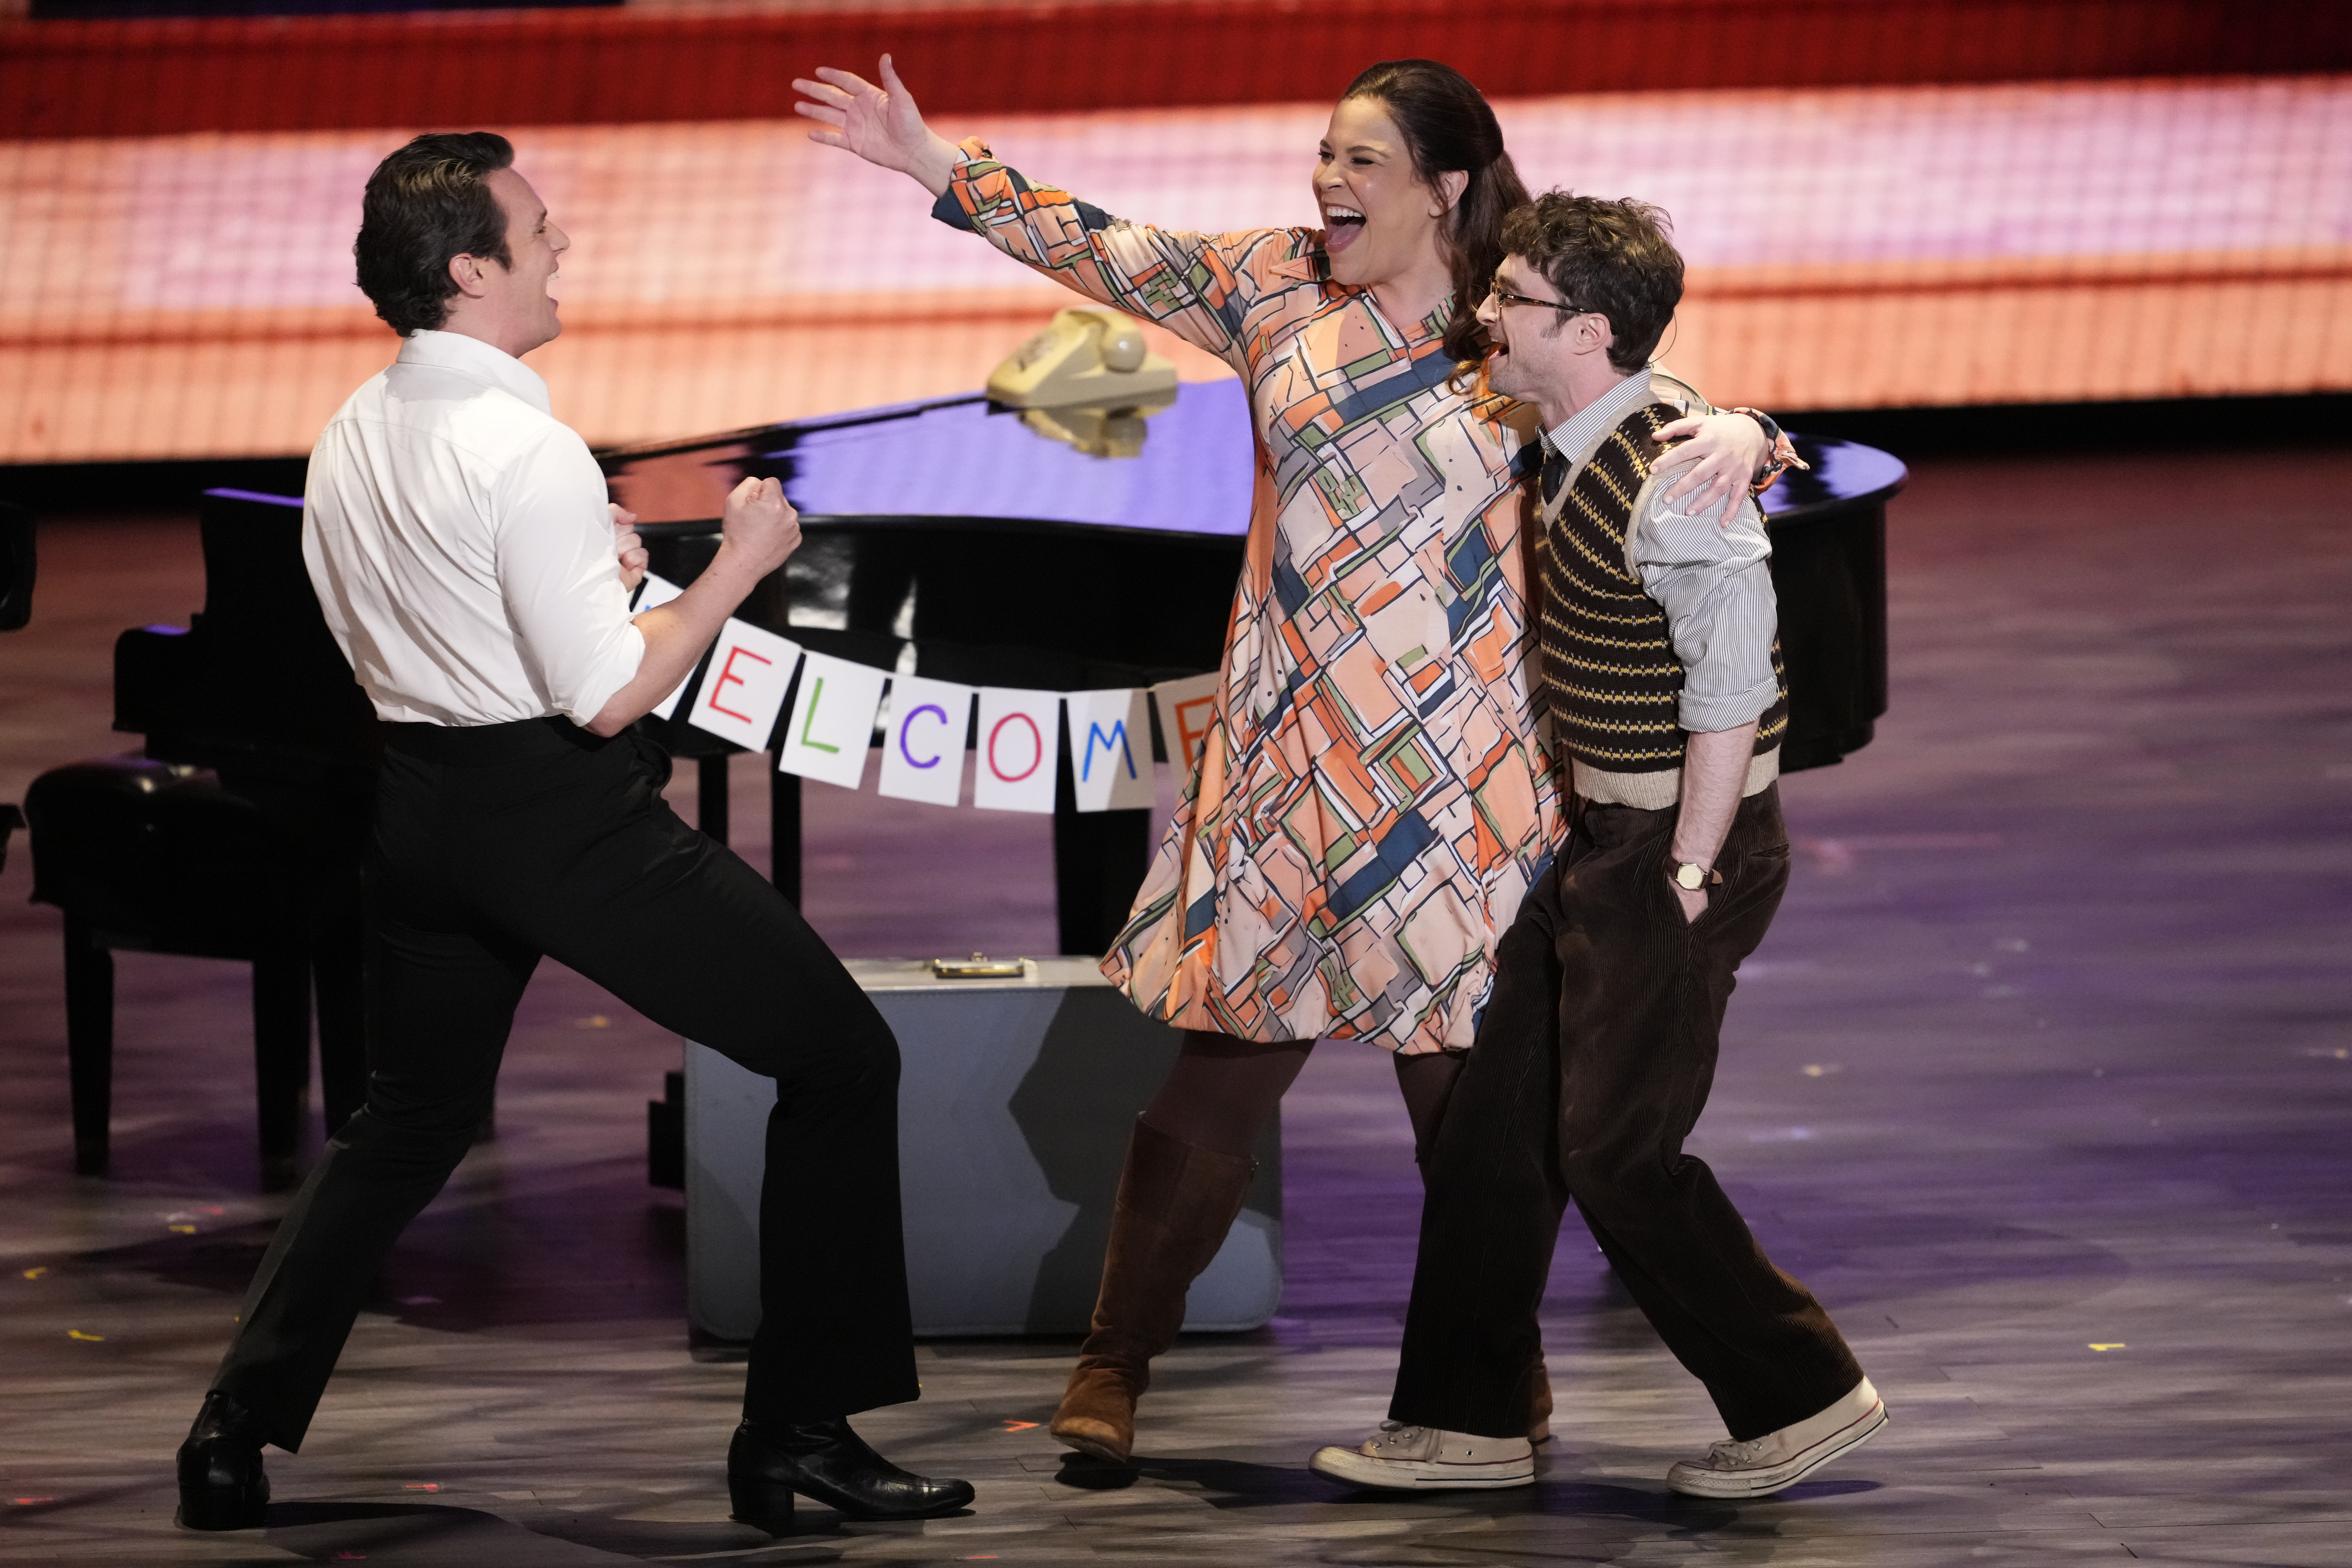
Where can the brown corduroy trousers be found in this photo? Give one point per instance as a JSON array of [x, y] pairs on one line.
[[1591, 1065]]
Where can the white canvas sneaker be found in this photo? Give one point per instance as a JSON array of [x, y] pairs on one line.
[[1764, 1465], [1422, 1458]]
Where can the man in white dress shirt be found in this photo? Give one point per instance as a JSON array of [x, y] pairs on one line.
[[464, 553]]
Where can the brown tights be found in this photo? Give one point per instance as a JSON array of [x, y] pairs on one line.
[[1221, 1091]]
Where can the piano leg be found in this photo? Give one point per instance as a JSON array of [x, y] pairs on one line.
[[1100, 859], [784, 831], [711, 795], [89, 1044], [281, 1055]]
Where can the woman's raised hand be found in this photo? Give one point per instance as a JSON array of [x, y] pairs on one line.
[[880, 124], [1719, 452]]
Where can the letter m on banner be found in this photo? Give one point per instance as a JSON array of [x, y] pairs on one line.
[[1110, 750]]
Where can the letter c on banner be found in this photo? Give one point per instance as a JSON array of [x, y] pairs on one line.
[[1037, 748], [908, 724]]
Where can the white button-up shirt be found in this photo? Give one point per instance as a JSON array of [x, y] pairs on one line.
[[457, 536]]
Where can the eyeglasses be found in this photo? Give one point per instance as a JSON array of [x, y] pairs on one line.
[[1509, 298]]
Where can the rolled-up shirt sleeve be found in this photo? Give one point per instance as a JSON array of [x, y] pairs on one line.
[[562, 580], [1715, 585]]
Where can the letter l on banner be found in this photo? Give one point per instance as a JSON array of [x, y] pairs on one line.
[[832, 726], [1110, 750]]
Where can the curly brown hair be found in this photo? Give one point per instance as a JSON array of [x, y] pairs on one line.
[[1613, 257]]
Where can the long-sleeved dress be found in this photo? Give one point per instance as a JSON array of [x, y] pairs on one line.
[[1374, 791]]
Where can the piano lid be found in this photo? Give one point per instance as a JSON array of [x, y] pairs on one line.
[[1845, 475], [966, 458]]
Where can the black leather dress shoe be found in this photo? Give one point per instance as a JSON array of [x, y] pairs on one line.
[[826, 1462], [221, 1483]]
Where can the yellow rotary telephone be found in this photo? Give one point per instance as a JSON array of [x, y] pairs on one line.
[[1083, 356], [1086, 380]]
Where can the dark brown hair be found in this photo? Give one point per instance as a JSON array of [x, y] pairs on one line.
[[1448, 125], [424, 204], [1610, 256]]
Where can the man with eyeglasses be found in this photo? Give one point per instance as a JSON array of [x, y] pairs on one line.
[[1661, 669]]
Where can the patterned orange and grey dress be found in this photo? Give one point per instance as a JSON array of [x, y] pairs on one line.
[[1374, 793]]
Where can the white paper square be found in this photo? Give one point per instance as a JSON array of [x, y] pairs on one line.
[[922, 740], [1111, 749], [667, 706], [1019, 738], [1186, 708], [749, 672], [832, 726], [653, 593]]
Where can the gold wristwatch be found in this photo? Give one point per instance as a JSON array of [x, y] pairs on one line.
[[1690, 875]]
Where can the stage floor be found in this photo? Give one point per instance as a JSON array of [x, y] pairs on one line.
[[2043, 1081]]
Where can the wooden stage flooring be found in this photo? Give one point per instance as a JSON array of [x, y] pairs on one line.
[[2043, 1081]]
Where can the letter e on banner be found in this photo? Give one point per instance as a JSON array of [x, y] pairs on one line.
[[1020, 733], [1187, 708], [1110, 750], [832, 726], [922, 740], [750, 671]]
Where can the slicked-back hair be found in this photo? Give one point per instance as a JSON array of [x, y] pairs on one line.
[[1447, 125], [424, 204], [1613, 257]]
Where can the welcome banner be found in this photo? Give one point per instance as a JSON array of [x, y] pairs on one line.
[[837, 705]]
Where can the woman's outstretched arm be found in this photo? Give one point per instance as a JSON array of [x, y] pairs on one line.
[[1198, 287]]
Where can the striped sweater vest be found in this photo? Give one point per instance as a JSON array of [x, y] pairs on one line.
[[1610, 675]]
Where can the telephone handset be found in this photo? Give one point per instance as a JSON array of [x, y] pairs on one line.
[[1096, 358]]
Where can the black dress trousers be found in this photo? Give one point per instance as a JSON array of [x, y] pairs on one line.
[[1591, 1065], [492, 846]]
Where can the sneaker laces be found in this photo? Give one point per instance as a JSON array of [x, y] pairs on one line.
[[1734, 1456], [1393, 1432]]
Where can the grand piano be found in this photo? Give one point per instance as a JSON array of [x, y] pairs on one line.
[[985, 541], [959, 539]]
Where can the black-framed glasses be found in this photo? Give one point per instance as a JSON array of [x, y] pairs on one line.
[[1509, 298]]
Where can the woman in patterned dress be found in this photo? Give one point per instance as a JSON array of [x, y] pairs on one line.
[[1373, 794]]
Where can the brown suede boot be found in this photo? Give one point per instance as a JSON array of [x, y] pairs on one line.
[[1176, 1202], [1540, 1402]]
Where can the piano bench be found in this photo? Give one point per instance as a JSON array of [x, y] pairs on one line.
[[155, 857]]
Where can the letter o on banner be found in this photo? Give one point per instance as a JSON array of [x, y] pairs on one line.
[[996, 750], [1018, 731]]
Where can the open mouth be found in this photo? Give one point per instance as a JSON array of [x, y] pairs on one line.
[[1341, 225]]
